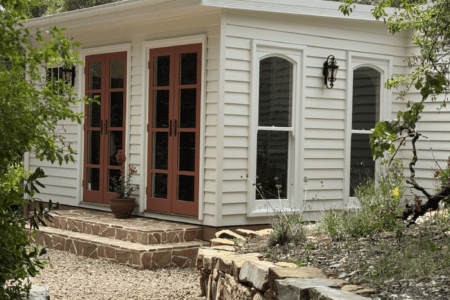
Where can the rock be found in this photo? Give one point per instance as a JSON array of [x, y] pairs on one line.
[[246, 233], [340, 282], [335, 266], [297, 272], [238, 262], [228, 234], [351, 287], [207, 258], [223, 242], [365, 291], [286, 265], [326, 293], [264, 232], [233, 290], [298, 288], [342, 275], [256, 273], [258, 296]]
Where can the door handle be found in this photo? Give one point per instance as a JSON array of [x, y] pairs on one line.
[[175, 125], [170, 128], [106, 124]]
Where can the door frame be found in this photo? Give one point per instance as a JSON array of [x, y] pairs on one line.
[[81, 107], [146, 48]]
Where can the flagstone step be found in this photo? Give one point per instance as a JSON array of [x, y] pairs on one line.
[[136, 255], [135, 230]]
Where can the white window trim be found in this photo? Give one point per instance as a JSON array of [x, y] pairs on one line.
[[146, 47], [296, 54], [81, 105], [384, 65]]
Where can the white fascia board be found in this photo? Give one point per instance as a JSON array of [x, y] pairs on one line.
[[106, 9], [298, 7]]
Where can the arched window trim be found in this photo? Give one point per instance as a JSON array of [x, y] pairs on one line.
[[295, 54], [384, 65]]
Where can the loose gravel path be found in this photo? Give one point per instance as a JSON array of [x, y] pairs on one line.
[[76, 277]]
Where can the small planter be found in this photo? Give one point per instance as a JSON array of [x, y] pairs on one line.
[[122, 208]]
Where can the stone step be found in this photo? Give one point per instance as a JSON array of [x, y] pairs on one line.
[[153, 256], [135, 230]]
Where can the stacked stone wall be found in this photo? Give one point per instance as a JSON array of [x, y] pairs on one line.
[[227, 275]]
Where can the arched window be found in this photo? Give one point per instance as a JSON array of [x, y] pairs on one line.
[[274, 138], [365, 114]]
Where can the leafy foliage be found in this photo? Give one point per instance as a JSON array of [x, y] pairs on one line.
[[380, 203], [41, 8], [122, 186], [29, 111]]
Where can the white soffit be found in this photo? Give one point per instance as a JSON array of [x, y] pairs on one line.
[[123, 9]]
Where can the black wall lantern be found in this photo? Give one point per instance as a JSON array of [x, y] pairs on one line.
[[329, 71], [68, 75]]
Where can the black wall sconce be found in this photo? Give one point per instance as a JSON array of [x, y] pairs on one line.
[[329, 71], [68, 75]]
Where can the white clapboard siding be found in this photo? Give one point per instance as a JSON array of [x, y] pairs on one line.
[[324, 109]]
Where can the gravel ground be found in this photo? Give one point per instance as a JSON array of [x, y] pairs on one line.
[[76, 277]]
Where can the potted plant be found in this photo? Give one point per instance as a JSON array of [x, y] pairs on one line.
[[122, 205]]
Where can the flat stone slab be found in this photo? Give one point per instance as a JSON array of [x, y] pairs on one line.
[[144, 231], [326, 293], [135, 255], [298, 288], [256, 273]]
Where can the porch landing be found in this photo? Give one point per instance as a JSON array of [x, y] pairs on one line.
[[141, 243]]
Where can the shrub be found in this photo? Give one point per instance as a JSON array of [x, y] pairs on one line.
[[380, 203], [287, 228]]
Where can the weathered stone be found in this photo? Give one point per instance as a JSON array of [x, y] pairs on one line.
[[270, 294], [225, 242], [264, 232], [38, 293], [351, 287], [246, 233], [340, 282], [237, 263], [147, 260], [136, 258], [286, 265], [123, 256], [132, 236], [365, 291], [58, 243], [110, 252], [228, 234], [326, 293], [172, 237], [258, 296], [88, 249], [220, 288], [298, 288], [189, 235], [121, 234], [213, 289], [203, 282], [256, 273], [235, 291], [161, 259], [206, 255], [302, 272]]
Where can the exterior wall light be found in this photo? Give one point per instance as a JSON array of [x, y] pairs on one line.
[[329, 71], [68, 75]]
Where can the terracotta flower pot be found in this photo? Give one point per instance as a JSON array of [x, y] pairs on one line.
[[122, 208]]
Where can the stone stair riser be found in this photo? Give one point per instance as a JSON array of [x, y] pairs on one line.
[[126, 234], [171, 256]]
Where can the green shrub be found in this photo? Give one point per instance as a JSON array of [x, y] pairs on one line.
[[380, 203], [287, 228]]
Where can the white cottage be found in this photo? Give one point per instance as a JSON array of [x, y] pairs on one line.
[[207, 97]]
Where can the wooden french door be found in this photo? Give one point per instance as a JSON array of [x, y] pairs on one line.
[[104, 128], [174, 129]]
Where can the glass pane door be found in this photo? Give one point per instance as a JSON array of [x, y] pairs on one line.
[[104, 125], [174, 129]]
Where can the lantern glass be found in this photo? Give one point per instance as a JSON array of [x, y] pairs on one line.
[[329, 71], [335, 72]]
